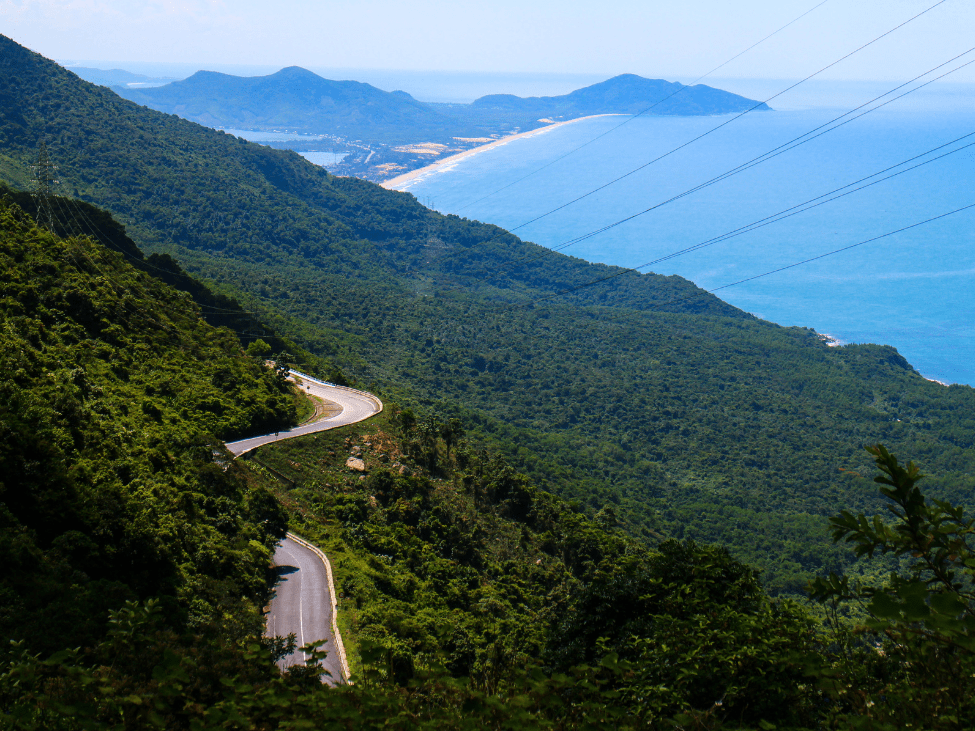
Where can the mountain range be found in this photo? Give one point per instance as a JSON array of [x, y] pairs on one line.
[[691, 417], [385, 127], [572, 464], [298, 100]]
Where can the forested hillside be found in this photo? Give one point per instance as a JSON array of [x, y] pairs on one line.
[[378, 129], [114, 399], [623, 94], [136, 553], [688, 417], [297, 99]]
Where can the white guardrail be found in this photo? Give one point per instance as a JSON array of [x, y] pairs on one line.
[[335, 612], [301, 541], [371, 397]]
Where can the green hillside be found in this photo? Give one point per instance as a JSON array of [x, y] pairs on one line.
[[689, 417], [296, 99], [113, 402], [623, 94]]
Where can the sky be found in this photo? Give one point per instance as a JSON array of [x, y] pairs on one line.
[[655, 38]]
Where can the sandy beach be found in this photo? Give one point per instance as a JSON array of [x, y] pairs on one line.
[[401, 182]]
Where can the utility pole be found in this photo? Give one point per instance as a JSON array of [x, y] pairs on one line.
[[43, 179]]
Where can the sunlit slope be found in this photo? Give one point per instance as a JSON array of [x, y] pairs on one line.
[[114, 396], [645, 393], [179, 186]]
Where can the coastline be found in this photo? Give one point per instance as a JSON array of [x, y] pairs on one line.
[[412, 176]]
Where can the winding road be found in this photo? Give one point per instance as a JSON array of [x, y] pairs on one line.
[[356, 406], [304, 598], [303, 604]]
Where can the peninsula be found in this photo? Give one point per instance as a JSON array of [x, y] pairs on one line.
[[386, 134]]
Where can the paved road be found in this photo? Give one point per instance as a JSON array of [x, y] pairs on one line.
[[356, 406], [302, 604]]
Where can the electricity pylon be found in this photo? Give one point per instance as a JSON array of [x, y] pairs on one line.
[[43, 179]]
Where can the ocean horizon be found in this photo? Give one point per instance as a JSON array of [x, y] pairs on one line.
[[912, 290]]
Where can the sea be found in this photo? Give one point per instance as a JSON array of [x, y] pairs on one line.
[[892, 263], [325, 158], [832, 267]]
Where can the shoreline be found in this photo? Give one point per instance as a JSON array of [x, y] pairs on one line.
[[413, 175]]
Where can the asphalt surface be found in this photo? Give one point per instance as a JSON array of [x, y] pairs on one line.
[[301, 604], [356, 406]]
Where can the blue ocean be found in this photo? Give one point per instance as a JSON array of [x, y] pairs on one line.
[[913, 289]]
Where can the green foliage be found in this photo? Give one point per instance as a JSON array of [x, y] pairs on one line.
[[141, 678], [690, 418], [77, 218], [258, 349], [912, 662], [114, 399], [699, 635], [448, 561], [444, 556]]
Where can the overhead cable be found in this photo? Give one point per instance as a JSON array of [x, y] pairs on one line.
[[641, 113]]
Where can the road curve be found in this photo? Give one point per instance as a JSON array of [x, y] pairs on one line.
[[304, 594], [303, 604], [356, 406]]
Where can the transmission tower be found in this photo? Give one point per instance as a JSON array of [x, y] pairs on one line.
[[43, 179]]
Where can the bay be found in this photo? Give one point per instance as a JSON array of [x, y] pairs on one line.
[[913, 290], [324, 158]]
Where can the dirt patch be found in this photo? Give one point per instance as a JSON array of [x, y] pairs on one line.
[[324, 409]]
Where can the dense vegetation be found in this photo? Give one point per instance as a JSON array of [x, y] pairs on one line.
[[299, 100], [114, 399], [473, 595], [690, 418], [72, 217], [474, 598], [447, 558]]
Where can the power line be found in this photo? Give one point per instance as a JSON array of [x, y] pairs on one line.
[[772, 271], [764, 157], [803, 207], [648, 109], [111, 283], [842, 249], [791, 211], [143, 263], [729, 121], [43, 179]]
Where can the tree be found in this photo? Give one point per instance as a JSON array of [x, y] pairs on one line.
[[701, 641], [259, 349], [911, 663]]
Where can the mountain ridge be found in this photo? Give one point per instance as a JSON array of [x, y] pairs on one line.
[[379, 131], [292, 98], [628, 94], [688, 416]]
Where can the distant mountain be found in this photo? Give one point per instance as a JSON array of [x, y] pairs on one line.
[[387, 133], [118, 77], [295, 99], [644, 393], [625, 94]]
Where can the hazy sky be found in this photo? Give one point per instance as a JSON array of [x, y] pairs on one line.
[[672, 38]]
